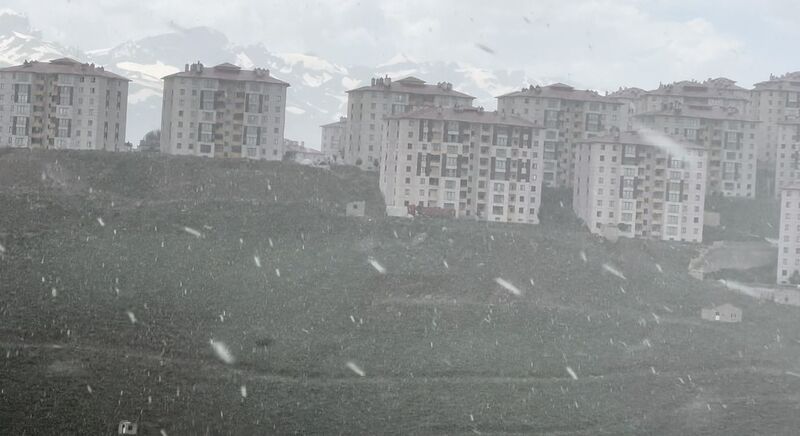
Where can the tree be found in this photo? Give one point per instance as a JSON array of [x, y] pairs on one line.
[[151, 141]]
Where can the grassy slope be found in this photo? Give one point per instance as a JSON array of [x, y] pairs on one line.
[[444, 348]]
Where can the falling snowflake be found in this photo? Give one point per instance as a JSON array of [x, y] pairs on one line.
[[54, 292], [222, 352], [378, 267], [193, 232], [2, 249], [257, 261], [613, 271], [101, 222], [131, 316], [355, 368], [89, 388], [277, 272], [572, 373], [583, 256], [243, 391], [508, 286], [658, 267]]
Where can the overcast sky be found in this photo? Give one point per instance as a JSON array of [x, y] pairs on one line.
[[595, 43]]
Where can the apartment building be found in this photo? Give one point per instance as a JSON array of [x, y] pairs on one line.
[[719, 92], [631, 98], [223, 111], [367, 106], [787, 164], [788, 271], [62, 104], [333, 139], [729, 136], [483, 165], [626, 183], [568, 116], [773, 101]]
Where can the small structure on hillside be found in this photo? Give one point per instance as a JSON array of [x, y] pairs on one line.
[[355, 208], [786, 296], [127, 428], [724, 313]]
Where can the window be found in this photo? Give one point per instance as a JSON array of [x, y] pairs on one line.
[[64, 125], [65, 95], [19, 126], [206, 100], [205, 132]]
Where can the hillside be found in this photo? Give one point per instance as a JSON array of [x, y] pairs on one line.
[[108, 304]]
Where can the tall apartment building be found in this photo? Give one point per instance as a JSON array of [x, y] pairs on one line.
[[223, 111], [789, 237], [568, 116], [729, 136], [333, 139], [719, 92], [62, 104], [625, 182], [484, 165], [367, 106], [773, 101], [631, 98], [787, 164]]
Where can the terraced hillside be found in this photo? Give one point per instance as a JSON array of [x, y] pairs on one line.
[[207, 297]]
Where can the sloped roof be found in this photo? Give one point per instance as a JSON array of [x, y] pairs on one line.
[[790, 80], [627, 93], [718, 87], [561, 91], [228, 71], [413, 85], [64, 66]]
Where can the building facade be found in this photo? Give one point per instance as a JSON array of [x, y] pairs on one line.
[[720, 92], [773, 101], [624, 182], [369, 105], [631, 99], [333, 140], [483, 165], [787, 154], [729, 136], [789, 237], [223, 111], [567, 116], [62, 104]]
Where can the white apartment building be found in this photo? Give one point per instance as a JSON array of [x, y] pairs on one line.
[[333, 139], [631, 98], [624, 182], [787, 164], [223, 111], [729, 136], [719, 92], [367, 107], [773, 101], [484, 165], [789, 237], [62, 104], [568, 116]]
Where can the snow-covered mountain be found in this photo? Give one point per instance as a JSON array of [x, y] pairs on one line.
[[318, 86]]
